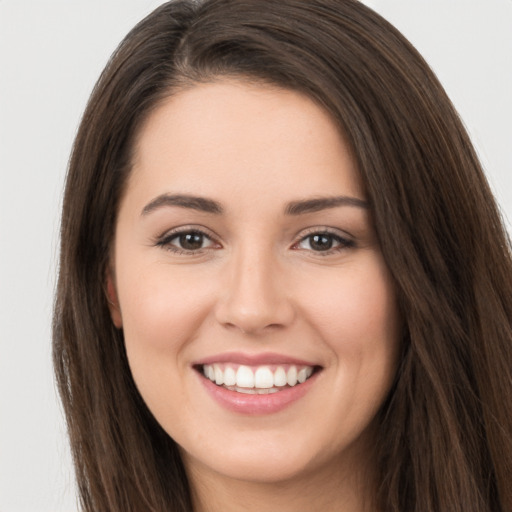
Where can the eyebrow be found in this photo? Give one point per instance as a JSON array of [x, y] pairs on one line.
[[210, 206], [323, 203], [201, 204]]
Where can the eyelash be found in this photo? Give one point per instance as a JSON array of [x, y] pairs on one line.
[[165, 241], [344, 243]]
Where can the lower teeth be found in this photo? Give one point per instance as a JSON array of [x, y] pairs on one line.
[[253, 391]]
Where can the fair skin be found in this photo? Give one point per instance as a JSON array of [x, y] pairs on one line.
[[244, 238]]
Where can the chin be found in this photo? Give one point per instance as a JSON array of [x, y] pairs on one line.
[[257, 465], [267, 457]]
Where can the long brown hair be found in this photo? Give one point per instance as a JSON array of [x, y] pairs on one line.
[[445, 438]]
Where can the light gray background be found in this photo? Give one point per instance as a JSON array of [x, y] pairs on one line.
[[51, 53]]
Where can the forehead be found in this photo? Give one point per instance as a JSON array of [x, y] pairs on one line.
[[212, 138]]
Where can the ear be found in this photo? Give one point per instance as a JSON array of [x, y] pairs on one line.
[[113, 302]]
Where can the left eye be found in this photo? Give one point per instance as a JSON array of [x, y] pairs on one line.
[[188, 241], [323, 242]]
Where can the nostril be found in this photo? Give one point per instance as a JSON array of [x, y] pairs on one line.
[[253, 328]]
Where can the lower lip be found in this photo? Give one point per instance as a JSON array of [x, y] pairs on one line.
[[244, 403]]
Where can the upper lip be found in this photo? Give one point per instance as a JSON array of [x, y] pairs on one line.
[[253, 359]]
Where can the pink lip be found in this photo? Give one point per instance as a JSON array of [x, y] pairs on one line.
[[253, 359], [243, 403]]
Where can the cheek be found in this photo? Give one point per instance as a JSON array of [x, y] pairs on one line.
[[356, 307], [162, 312], [357, 316], [161, 308]]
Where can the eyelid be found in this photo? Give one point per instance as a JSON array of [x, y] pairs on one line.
[[314, 230], [164, 239], [346, 240], [185, 228]]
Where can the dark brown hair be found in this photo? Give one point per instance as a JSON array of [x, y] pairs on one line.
[[445, 438]]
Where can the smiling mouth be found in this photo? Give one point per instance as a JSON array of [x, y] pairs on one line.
[[260, 380]]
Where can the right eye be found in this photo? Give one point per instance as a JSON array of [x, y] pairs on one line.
[[191, 241]]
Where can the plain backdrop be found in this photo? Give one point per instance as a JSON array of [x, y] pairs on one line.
[[51, 53]]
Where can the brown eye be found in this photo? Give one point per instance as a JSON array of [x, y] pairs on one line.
[[191, 241], [324, 242], [321, 242]]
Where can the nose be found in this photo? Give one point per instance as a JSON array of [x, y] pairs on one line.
[[254, 299]]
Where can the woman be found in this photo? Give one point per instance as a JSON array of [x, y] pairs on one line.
[[284, 281]]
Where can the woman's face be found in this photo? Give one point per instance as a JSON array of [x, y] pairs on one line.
[[245, 250]]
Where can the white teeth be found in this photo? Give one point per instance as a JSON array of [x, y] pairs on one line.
[[301, 376], [291, 376], [280, 377], [229, 376], [219, 375], [244, 377], [253, 391], [247, 391], [263, 378], [260, 380]]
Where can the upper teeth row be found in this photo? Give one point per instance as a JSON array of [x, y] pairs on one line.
[[261, 377]]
